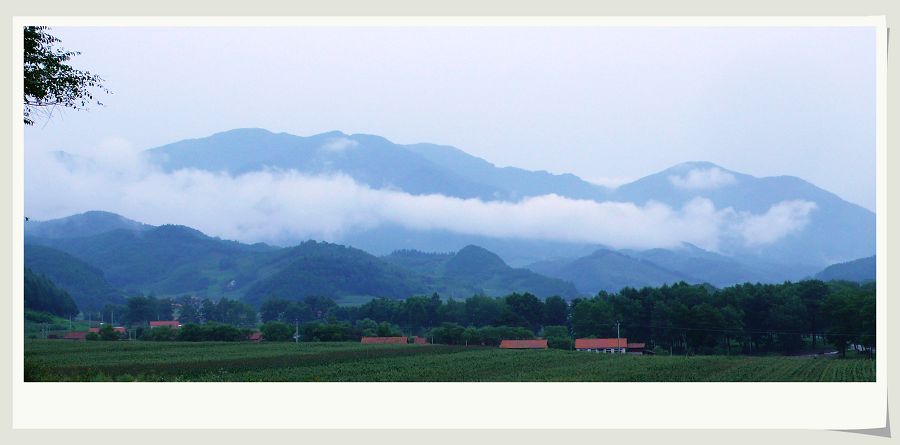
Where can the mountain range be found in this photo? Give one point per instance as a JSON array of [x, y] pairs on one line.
[[172, 260], [395, 260], [837, 230]]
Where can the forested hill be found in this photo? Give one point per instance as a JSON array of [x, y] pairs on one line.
[[172, 260], [85, 283], [860, 270], [475, 270], [331, 270], [42, 295]]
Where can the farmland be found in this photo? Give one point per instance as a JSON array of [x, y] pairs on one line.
[[49, 360]]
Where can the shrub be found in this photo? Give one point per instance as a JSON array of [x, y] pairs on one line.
[[277, 331], [107, 333], [162, 333]]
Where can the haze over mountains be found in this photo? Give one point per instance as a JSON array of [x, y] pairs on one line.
[[696, 221], [779, 218]]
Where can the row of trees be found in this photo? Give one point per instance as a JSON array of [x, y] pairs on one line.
[[681, 318], [139, 310]]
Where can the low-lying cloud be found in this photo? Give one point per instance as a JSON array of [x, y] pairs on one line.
[[780, 220], [339, 145], [273, 206], [703, 179]]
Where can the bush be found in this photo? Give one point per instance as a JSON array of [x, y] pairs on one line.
[[107, 333], [558, 337], [190, 332], [560, 343], [162, 333], [38, 317], [448, 334], [92, 336], [223, 332], [211, 332], [277, 331], [339, 331]]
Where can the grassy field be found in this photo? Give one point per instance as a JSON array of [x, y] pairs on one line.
[[59, 360]]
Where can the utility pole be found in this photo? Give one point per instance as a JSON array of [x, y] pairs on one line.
[[618, 341]]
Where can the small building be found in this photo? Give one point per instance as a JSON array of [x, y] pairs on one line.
[[636, 348], [524, 344], [255, 337], [119, 329], [602, 345], [384, 340], [77, 336], [167, 323], [420, 340]]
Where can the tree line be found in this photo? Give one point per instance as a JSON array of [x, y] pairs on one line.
[[679, 319]]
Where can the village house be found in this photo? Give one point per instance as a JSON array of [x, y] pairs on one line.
[[168, 323], [524, 344], [384, 340], [420, 340], [77, 336], [603, 345], [119, 329], [255, 337]]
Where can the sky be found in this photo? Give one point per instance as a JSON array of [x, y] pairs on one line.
[[607, 104], [610, 105]]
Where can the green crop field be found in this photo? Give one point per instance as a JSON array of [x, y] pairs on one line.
[[60, 360]]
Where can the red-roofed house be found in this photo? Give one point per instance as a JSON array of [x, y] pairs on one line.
[[384, 340], [420, 340], [255, 337], [77, 336], [523, 344], [169, 323], [605, 345]]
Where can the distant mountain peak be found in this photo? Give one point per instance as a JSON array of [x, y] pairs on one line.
[[691, 165], [474, 259], [88, 223], [249, 131]]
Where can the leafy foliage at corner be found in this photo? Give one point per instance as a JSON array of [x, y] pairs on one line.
[[49, 80], [42, 295]]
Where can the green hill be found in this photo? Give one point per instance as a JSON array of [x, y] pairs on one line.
[[42, 295], [610, 271], [85, 283], [172, 260], [167, 259], [860, 270], [475, 270], [331, 270]]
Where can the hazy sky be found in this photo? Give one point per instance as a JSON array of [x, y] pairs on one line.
[[607, 104]]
